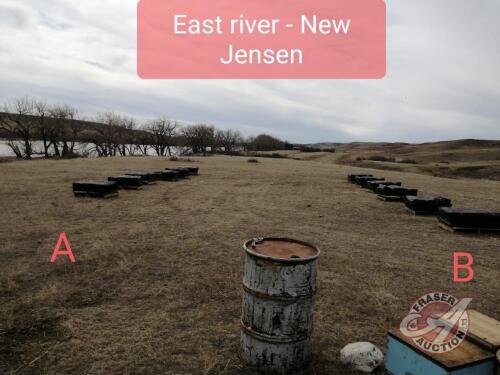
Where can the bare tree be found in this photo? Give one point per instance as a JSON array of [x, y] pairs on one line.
[[106, 134], [18, 123], [64, 131], [142, 140], [14, 146], [44, 127], [200, 138], [163, 132], [228, 139], [126, 126], [60, 128]]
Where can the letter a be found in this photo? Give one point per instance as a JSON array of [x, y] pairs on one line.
[[467, 266], [67, 249]]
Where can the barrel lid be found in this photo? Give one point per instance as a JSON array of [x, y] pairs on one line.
[[284, 250]]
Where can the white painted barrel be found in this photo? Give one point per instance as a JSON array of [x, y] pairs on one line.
[[279, 284]]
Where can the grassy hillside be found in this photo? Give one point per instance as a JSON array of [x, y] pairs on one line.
[[463, 158]]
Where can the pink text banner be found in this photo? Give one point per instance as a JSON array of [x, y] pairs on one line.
[[316, 39]]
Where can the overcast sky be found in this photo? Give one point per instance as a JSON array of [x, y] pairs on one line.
[[443, 75]]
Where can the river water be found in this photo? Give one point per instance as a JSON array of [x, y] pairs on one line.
[[5, 150]]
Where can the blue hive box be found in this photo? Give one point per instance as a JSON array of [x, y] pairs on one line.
[[404, 358]]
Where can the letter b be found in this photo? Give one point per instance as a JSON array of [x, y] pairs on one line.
[[467, 266]]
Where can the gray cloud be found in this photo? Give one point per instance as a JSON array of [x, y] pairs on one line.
[[442, 77], [13, 17]]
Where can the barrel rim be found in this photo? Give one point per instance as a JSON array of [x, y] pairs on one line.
[[276, 259]]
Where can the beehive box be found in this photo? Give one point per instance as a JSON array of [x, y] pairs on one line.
[[456, 219], [372, 185], [157, 175], [169, 175], [147, 177], [99, 189], [181, 172], [193, 171], [426, 205], [394, 192], [127, 182], [352, 177], [404, 358], [363, 180]]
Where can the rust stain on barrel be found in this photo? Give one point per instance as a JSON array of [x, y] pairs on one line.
[[284, 249]]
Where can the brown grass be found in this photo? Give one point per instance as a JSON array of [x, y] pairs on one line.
[[156, 286], [452, 159]]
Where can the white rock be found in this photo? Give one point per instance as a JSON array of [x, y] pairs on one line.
[[362, 356]]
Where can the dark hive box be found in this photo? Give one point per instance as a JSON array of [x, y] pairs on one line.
[[192, 170], [127, 182], [363, 180], [394, 191], [147, 177], [469, 219], [372, 185], [426, 205], [181, 172], [100, 189], [352, 177], [169, 175]]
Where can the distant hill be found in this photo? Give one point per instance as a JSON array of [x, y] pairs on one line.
[[408, 146], [86, 128], [471, 158]]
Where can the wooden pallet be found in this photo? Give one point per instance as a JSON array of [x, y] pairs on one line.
[[389, 198], [130, 187], [94, 195], [420, 213], [148, 182], [466, 230]]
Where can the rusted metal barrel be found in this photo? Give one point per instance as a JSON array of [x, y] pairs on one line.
[[277, 311]]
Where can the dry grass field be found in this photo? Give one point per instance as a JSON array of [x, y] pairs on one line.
[[156, 287]]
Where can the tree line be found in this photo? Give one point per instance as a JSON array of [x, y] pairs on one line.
[[63, 131]]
